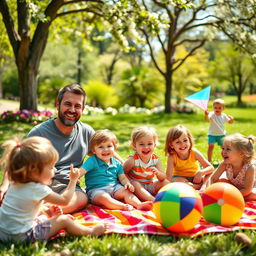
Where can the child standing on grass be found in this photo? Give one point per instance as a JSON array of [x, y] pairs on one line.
[[144, 165], [183, 160], [30, 167], [216, 129], [106, 183], [238, 164]]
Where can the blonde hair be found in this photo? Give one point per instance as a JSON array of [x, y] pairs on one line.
[[219, 101], [242, 143], [173, 134], [21, 158], [103, 136], [142, 131]]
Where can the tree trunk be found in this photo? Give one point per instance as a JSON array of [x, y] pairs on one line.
[[28, 87], [168, 92], [79, 67], [239, 98]]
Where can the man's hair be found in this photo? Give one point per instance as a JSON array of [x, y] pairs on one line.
[[73, 88]]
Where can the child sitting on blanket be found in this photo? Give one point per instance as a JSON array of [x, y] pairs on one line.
[[106, 183], [30, 167], [144, 165], [238, 164], [183, 160]]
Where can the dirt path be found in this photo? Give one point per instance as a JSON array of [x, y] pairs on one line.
[[8, 105], [12, 105]]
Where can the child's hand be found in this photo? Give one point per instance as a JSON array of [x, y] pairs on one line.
[[154, 170], [198, 177], [74, 173], [54, 210], [129, 186], [159, 175]]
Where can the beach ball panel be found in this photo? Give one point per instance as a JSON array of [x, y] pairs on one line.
[[187, 223], [233, 197], [215, 192], [159, 196], [199, 204], [230, 215], [178, 227], [156, 210], [191, 220], [167, 209], [186, 206], [212, 213], [171, 196], [207, 199], [186, 191]]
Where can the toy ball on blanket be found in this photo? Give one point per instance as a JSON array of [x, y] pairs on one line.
[[178, 207], [223, 204]]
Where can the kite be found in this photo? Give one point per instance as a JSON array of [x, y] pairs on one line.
[[201, 98]]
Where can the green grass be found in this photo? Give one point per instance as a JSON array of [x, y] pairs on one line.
[[114, 244]]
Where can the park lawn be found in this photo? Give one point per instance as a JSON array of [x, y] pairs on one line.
[[122, 125]]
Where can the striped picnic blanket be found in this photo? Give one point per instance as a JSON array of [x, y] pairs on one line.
[[144, 222]]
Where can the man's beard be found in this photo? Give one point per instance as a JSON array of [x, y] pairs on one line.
[[65, 121]]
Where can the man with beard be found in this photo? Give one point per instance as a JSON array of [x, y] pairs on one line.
[[70, 137]]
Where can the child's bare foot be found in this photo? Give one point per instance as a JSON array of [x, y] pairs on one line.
[[99, 229], [146, 206], [127, 207]]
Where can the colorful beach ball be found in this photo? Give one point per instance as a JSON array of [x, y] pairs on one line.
[[178, 207], [223, 204]]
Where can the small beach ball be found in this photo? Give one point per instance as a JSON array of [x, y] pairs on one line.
[[223, 204], [178, 207]]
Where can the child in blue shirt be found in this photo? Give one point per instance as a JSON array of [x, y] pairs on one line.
[[106, 183]]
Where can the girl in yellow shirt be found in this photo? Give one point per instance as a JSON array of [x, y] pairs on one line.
[[183, 160]]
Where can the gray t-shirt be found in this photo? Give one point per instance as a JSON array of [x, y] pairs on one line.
[[72, 148]]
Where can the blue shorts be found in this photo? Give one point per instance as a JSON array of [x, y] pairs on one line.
[[215, 139], [109, 189]]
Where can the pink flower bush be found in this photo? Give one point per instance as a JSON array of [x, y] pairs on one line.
[[25, 116]]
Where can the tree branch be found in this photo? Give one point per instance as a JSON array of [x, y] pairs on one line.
[[9, 25], [78, 10], [187, 40], [80, 1], [152, 53], [189, 54], [42, 30], [24, 32]]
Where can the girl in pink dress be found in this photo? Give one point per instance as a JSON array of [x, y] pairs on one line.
[[238, 164]]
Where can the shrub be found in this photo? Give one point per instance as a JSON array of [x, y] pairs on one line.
[[25, 116]]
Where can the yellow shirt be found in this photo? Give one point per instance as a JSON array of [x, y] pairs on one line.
[[187, 167]]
